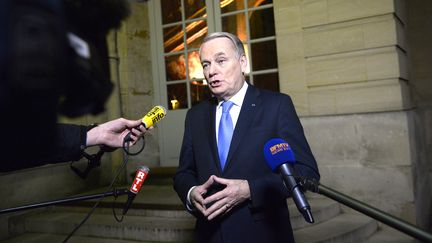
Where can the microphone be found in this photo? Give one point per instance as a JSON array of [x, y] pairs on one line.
[[140, 177], [280, 158], [154, 115]]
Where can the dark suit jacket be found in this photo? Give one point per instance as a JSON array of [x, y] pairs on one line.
[[264, 115]]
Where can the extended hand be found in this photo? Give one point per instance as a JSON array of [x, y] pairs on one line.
[[235, 192], [113, 132], [197, 195]]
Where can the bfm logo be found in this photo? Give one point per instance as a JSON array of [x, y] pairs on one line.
[[278, 148]]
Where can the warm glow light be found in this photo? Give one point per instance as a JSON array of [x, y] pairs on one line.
[[191, 39], [175, 104], [194, 64], [247, 57], [225, 3], [195, 68], [179, 35]]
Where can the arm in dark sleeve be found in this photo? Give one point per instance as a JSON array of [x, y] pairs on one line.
[[270, 189], [291, 130], [267, 191], [185, 177], [71, 140], [66, 146]]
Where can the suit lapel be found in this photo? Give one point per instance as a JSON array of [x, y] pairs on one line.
[[246, 116], [212, 132]]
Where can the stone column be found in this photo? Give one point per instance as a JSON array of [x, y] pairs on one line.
[[135, 86]]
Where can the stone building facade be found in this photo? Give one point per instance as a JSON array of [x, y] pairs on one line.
[[359, 73]]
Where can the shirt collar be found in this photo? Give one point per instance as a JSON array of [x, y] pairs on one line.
[[238, 98]]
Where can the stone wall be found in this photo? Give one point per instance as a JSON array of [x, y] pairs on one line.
[[341, 57], [344, 63], [366, 156], [419, 26], [136, 93]]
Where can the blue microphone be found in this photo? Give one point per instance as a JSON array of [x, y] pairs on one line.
[[280, 158]]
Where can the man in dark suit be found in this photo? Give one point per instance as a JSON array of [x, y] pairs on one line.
[[223, 178]]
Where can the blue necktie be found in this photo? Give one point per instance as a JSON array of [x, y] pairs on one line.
[[225, 132]]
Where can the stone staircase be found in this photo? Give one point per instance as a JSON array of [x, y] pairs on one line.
[[157, 215]]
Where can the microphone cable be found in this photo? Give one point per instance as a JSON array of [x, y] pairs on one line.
[[126, 154], [94, 160]]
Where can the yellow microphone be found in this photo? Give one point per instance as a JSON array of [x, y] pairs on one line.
[[154, 115]]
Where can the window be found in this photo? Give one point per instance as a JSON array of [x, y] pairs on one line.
[[253, 22], [183, 25]]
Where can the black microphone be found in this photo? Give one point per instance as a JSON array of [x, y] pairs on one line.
[[280, 158], [140, 177]]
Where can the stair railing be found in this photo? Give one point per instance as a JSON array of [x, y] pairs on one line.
[[392, 221]]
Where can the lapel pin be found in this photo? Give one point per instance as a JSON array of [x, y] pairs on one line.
[[253, 104]]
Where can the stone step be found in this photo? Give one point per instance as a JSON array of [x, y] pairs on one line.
[[151, 197], [163, 213], [103, 225], [322, 210], [55, 238], [158, 215], [386, 234], [162, 201], [103, 228], [144, 218], [343, 228], [159, 176]]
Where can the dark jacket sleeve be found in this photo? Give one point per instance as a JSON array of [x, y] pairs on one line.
[[292, 131], [66, 146], [71, 140], [289, 128], [186, 176]]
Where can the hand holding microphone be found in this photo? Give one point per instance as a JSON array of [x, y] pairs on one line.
[[114, 133], [280, 158]]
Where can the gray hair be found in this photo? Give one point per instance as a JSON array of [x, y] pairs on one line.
[[239, 49]]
